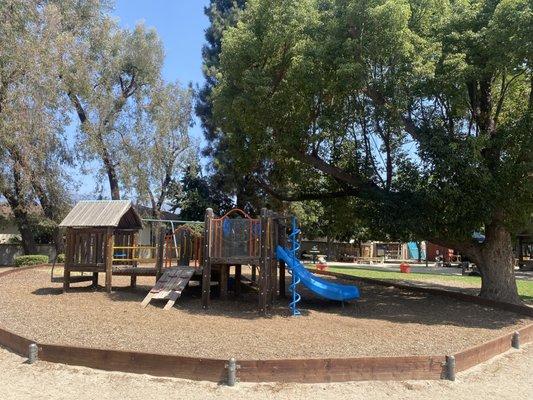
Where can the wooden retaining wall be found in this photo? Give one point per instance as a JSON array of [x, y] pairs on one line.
[[342, 370], [214, 370], [16, 343], [483, 352], [136, 362], [292, 370]]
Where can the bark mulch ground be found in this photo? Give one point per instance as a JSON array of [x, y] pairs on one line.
[[384, 322]]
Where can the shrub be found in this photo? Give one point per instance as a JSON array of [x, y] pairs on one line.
[[33, 259], [60, 258]]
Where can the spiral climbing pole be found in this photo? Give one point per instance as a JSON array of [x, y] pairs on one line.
[[295, 280]]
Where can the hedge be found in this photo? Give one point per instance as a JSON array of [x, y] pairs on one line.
[[60, 258], [32, 259]]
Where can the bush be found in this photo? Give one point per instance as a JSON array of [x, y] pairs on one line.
[[33, 259], [60, 259]]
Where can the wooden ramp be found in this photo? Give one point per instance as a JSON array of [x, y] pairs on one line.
[[170, 286]]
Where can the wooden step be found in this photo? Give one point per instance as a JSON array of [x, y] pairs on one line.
[[73, 279]]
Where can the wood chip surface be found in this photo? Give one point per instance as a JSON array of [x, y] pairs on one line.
[[384, 322]]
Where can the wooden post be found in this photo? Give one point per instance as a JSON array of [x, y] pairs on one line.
[[254, 273], [69, 259], [238, 275], [134, 243], [273, 260], [282, 241], [224, 274], [263, 261], [110, 238], [206, 272], [282, 290], [160, 253]]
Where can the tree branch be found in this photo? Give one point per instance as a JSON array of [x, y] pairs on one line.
[[306, 196], [380, 101], [329, 169], [82, 115]]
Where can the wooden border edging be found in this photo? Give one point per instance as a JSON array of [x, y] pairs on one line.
[[20, 269], [16, 343], [341, 370], [516, 308], [288, 370], [135, 362], [214, 370], [478, 354]]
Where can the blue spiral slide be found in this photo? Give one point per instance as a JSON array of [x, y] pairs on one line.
[[323, 288]]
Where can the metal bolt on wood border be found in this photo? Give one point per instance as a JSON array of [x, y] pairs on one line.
[[450, 368], [515, 342], [232, 368], [33, 352]]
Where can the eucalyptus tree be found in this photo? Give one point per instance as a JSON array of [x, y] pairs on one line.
[[420, 110], [157, 144], [112, 69], [35, 42]]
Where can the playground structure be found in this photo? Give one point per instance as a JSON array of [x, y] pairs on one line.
[[225, 241], [237, 239], [103, 237]]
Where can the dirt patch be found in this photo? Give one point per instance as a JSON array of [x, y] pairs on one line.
[[385, 322]]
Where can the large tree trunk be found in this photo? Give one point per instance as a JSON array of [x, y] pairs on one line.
[[15, 199], [113, 181], [495, 261], [52, 211], [25, 228], [496, 265]]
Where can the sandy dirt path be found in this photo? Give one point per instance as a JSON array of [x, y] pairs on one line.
[[505, 377]]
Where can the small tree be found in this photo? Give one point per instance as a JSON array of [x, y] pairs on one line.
[[194, 193]]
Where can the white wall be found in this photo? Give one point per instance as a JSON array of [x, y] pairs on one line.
[[9, 251]]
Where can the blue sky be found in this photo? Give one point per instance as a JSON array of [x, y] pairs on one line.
[[181, 25]]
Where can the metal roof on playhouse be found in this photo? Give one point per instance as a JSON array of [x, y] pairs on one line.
[[102, 213]]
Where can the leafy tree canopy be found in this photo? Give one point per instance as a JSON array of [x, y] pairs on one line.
[[419, 109], [195, 193]]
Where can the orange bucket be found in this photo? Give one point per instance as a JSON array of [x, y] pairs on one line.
[[405, 268]]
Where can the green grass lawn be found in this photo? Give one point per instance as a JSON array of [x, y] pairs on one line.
[[525, 288]]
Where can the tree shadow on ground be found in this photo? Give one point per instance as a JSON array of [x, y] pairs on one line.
[[376, 302]]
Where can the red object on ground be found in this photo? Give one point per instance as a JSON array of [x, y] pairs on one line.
[[321, 266], [405, 268]]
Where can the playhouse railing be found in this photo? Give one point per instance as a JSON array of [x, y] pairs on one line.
[[134, 253], [185, 246], [235, 235]]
